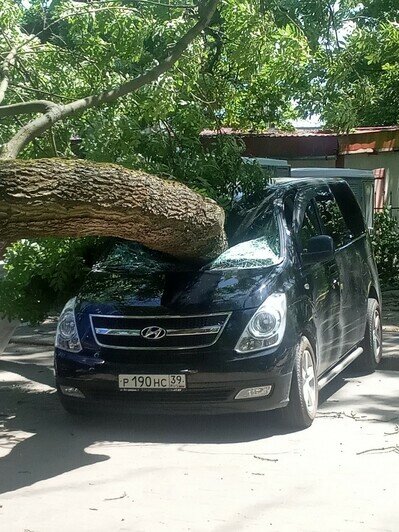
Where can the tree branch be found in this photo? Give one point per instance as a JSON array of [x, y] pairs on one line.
[[38, 91], [34, 106], [39, 125], [77, 198], [5, 72]]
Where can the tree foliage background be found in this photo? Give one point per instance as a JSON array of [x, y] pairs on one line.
[[259, 63], [245, 70]]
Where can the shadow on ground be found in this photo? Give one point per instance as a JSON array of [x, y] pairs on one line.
[[45, 442]]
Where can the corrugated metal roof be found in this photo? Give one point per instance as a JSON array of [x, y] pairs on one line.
[[301, 132], [268, 133], [308, 143], [284, 146]]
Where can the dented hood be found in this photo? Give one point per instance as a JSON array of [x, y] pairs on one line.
[[175, 292]]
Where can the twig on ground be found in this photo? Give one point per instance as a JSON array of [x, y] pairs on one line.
[[116, 498], [266, 459], [393, 448], [355, 417]]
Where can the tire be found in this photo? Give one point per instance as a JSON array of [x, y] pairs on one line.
[[302, 408], [372, 343]]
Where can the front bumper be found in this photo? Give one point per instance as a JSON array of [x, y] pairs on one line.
[[211, 388]]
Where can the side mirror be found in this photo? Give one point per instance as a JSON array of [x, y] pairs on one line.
[[320, 249]]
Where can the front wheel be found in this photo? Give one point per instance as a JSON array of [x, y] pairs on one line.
[[372, 343], [302, 408]]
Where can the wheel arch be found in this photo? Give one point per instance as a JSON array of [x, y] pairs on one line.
[[373, 294], [310, 333], [305, 324]]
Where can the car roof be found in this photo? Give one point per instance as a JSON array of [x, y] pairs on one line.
[[346, 173], [279, 187], [305, 182], [282, 185]]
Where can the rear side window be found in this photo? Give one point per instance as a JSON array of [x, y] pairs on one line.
[[350, 208], [332, 219]]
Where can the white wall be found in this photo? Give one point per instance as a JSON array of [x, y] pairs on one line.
[[387, 160]]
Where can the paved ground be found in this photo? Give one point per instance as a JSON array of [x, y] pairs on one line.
[[216, 474]]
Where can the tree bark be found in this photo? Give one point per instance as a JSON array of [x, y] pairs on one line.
[[75, 198], [34, 106]]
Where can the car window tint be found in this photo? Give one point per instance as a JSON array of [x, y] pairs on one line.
[[289, 202], [332, 219], [349, 207], [309, 227]]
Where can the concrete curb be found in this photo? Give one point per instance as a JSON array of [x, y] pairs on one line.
[[40, 335], [32, 340]]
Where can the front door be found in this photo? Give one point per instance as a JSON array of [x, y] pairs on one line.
[[322, 283], [341, 219]]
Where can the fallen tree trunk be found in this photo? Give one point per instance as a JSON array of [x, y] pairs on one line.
[[76, 198]]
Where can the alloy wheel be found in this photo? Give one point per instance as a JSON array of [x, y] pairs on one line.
[[377, 335], [308, 382]]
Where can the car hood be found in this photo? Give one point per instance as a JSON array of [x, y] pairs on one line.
[[179, 292]]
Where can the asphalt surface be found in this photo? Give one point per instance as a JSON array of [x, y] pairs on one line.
[[230, 473]]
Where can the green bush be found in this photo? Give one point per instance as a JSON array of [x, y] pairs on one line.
[[385, 240], [41, 275]]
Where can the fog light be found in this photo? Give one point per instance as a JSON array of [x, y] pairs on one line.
[[72, 391], [250, 393]]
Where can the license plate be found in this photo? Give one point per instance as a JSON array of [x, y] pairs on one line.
[[152, 382]]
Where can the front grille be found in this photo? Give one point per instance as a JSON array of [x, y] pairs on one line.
[[175, 332]]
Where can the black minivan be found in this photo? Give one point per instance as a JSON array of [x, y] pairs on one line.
[[292, 302]]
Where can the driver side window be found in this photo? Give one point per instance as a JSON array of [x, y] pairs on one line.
[[310, 227]]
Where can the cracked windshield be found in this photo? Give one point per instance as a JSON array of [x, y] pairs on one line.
[[260, 252]]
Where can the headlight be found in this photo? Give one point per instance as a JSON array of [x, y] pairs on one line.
[[67, 337], [266, 327]]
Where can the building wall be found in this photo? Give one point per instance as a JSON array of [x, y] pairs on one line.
[[387, 160]]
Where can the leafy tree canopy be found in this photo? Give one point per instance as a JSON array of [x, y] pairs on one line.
[[245, 69], [354, 79], [259, 62]]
